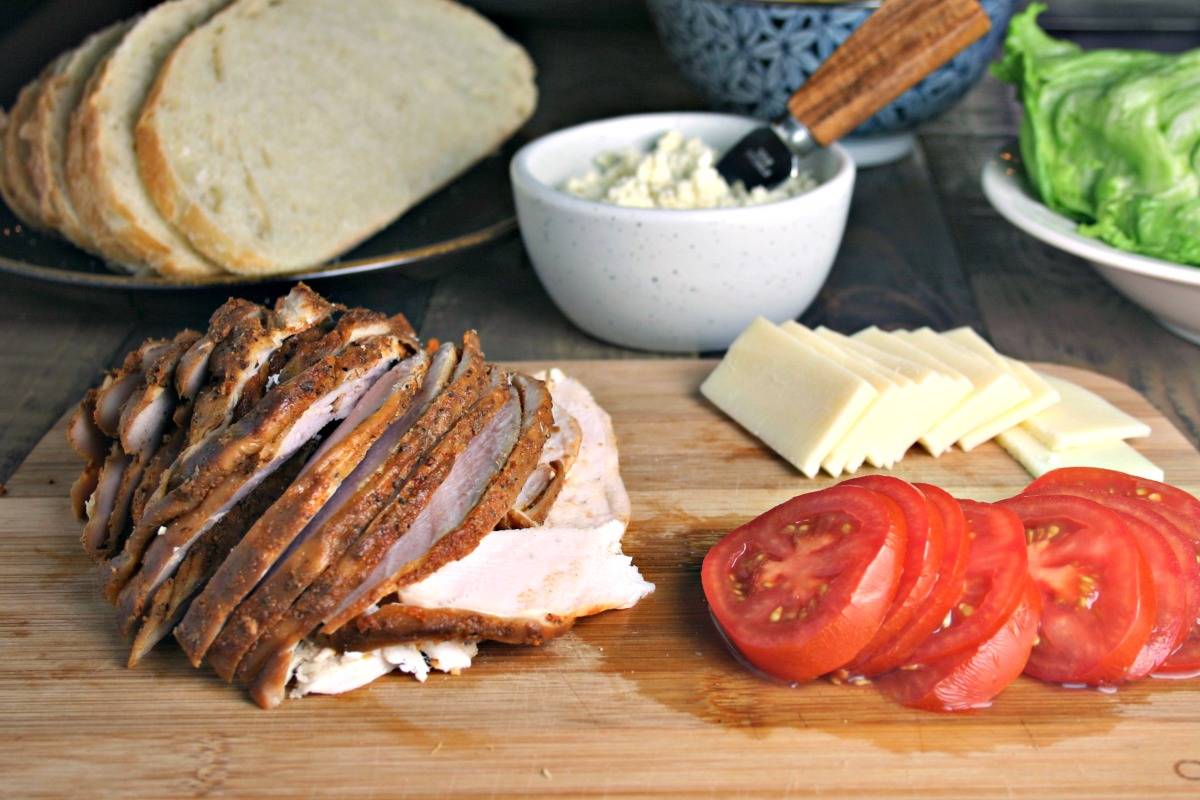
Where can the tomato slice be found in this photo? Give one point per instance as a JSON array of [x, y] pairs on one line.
[[992, 585], [1176, 505], [971, 678], [1171, 622], [946, 590], [1173, 565], [802, 588], [923, 556], [1098, 603]]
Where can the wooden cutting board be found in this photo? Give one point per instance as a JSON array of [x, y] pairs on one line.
[[630, 703]]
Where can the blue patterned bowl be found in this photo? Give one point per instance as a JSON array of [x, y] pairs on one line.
[[749, 56]]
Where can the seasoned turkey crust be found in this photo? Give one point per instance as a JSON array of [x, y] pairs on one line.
[[276, 595]]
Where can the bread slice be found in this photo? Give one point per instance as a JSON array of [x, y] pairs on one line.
[[102, 168], [61, 90], [284, 132], [18, 187]]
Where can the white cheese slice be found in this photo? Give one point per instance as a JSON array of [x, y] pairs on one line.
[[873, 437], [935, 392], [959, 388], [798, 402], [1082, 418], [995, 389], [1112, 454], [1041, 394]]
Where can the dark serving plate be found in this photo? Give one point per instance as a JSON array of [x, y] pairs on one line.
[[475, 209]]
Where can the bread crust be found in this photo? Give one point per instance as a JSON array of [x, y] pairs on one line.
[[18, 184], [81, 148], [47, 156], [208, 234], [127, 232]]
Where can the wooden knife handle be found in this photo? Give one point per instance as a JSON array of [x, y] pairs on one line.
[[897, 46]]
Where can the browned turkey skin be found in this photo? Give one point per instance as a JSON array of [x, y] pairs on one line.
[[291, 467]]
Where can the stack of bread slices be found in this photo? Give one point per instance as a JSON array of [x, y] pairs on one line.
[[305, 495], [257, 136]]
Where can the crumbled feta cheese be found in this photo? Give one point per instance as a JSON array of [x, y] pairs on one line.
[[679, 173], [161, 530]]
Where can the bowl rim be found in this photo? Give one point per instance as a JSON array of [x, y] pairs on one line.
[[522, 175], [1006, 189]]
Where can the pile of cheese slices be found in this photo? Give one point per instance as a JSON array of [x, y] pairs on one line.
[[827, 401]]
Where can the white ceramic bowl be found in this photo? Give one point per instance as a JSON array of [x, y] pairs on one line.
[[663, 279], [1171, 292]]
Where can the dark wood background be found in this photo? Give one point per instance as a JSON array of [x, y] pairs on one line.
[[923, 247]]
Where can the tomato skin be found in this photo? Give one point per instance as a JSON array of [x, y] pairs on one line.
[[861, 571], [946, 513], [992, 585], [1098, 603], [1174, 513], [971, 679], [1170, 624], [923, 554]]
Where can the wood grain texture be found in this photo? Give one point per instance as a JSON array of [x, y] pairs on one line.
[[635, 703], [891, 52]]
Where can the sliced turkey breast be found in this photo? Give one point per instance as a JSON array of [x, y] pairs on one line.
[[323, 670], [192, 372], [171, 599], [231, 464], [238, 357], [521, 586], [517, 586], [99, 506], [147, 413], [118, 569], [83, 488], [120, 384], [447, 394], [277, 527], [463, 510], [84, 436], [432, 503]]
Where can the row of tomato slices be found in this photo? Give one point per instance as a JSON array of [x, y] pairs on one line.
[[1088, 577]]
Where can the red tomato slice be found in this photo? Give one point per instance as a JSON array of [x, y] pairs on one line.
[[971, 678], [991, 588], [802, 588], [1098, 603], [1171, 622], [944, 511], [1173, 564], [922, 558], [1179, 507]]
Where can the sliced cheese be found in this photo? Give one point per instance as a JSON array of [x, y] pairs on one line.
[[994, 390], [873, 436], [957, 388], [1041, 394], [1112, 454], [1081, 418], [798, 402], [932, 396]]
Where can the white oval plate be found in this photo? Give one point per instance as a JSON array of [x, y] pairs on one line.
[[1171, 292]]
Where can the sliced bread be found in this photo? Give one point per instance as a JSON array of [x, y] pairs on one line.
[[18, 186], [284, 132], [61, 90], [102, 164]]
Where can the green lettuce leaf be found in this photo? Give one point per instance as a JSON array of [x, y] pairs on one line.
[[1111, 138]]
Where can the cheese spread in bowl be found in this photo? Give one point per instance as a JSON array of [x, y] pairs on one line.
[[678, 173], [631, 263]]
